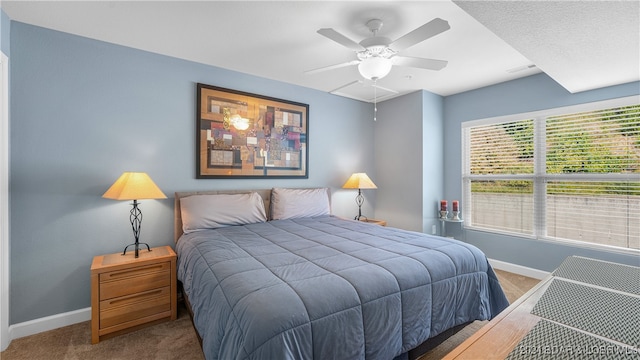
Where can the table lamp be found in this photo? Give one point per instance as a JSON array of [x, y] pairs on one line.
[[134, 186], [359, 181]]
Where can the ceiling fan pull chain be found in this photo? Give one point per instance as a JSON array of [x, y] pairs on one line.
[[375, 98]]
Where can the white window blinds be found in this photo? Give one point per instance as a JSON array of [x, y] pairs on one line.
[[605, 141], [505, 148], [563, 175]]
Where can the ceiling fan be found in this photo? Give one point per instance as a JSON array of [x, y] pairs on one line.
[[377, 54]]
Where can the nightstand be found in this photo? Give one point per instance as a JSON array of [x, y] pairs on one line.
[[128, 293], [443, 229], [374, 221]]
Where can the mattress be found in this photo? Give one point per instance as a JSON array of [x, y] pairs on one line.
[[329, 288]]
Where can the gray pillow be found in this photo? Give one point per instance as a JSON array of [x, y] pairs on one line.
[[297, 203], [200, 212]]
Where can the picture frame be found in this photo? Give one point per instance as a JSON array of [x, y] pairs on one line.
[[244, 135]]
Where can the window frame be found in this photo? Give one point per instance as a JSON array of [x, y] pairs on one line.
[[539, 176]]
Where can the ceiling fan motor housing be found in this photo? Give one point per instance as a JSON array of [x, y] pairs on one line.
[[376, 46]]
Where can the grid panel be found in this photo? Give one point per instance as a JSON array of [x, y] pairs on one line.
[[609, 314], [548, 340], [610, 275]]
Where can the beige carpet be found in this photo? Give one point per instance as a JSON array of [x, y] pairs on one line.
[[177, 339], [168, 340]]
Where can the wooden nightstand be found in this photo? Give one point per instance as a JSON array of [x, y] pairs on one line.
[[129, 293], [374, 221]]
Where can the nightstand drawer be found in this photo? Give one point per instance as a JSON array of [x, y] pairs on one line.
[[136, 306], [130, 281], [129, 292]]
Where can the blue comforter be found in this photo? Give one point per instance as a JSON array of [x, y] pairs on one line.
[[329, 288]]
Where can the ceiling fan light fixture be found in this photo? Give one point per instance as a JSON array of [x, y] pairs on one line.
[[375, 67]]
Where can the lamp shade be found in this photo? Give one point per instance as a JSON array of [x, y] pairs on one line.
[[359, 181], [134, 186], [375, 67]]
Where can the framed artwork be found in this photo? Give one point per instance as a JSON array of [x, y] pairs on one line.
[[243, 135]]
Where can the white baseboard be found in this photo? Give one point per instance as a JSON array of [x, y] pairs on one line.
[[518, 269], [36, 326]]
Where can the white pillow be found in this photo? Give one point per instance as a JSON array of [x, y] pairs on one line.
[[297, 203], [200, 212]]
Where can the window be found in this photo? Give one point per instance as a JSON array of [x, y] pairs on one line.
[[569, 174]]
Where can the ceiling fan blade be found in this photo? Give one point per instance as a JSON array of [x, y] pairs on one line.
[[385, 89], [331, 67], [429, 64], [340, 39], [430, 29], [346, 85]]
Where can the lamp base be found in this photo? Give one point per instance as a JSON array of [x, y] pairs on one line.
[[135, 216], [359, 201], [136, 244]]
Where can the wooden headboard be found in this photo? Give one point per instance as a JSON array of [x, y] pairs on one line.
[[177, 214]]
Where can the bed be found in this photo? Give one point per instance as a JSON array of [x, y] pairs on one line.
[[271, 274]]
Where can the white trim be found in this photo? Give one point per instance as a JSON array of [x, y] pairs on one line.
[[518, 269], [5, 339], [568, 242], [52, 322]]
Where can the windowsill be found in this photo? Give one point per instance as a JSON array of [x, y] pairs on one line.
[[564, 242]]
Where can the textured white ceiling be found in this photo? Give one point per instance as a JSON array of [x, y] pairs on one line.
[[583, 45], [278, 40]]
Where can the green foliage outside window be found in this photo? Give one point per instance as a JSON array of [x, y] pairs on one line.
[[591, 142], [606, 142]]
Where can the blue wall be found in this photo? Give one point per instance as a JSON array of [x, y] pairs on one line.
[[532, 93], [408, 156], [398, 155], [433, 149], [84, 111]]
